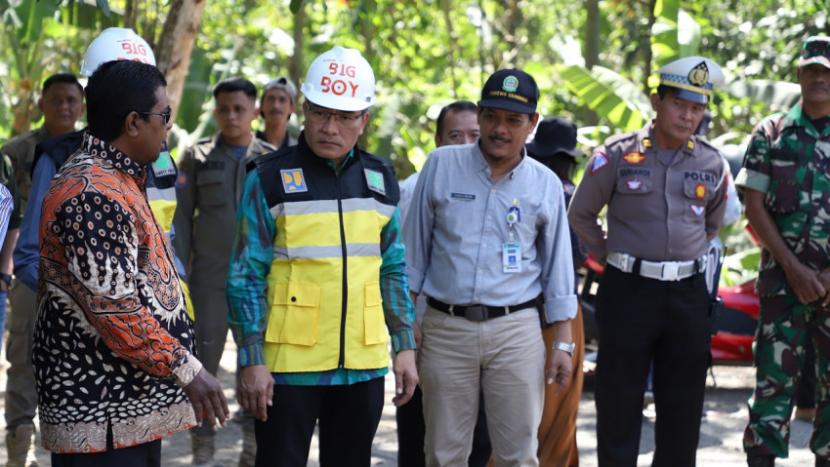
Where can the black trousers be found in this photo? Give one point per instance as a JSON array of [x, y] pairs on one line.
[[642, 320], [411, 430], [348, 417], [805, 395], [143, 455]]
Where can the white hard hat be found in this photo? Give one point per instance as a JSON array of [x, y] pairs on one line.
[[116, 44], [340, 79]]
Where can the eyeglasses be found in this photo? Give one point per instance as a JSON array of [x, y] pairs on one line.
[[165, 114], [317, 115]]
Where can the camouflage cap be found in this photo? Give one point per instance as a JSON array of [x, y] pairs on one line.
[[815, 49]]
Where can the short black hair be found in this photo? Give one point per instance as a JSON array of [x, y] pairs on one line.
[[234, 85], [67, 78], [116, 89], [457, 106]]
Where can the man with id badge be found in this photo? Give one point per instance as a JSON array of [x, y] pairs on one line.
[[490, 248]]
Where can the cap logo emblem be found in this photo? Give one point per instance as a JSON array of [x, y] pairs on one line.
[[699, 75], [510, 84]]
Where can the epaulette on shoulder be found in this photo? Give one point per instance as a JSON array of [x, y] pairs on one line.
[[620, 139]]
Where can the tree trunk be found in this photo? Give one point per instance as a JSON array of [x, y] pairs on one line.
[[592, 34], [176, 44], [296, 66]]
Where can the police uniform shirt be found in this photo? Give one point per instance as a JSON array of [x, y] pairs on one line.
[[660, 207], [457, 225], [209, 190]]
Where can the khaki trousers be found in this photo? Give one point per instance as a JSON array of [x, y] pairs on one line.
[[21, 398], [505, 357]]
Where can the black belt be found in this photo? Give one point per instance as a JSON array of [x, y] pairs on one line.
[[479, 312]]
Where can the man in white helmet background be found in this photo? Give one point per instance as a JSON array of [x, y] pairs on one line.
[[49, 156], [317, 278]]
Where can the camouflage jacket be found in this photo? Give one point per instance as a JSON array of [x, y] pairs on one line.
[[789, 161]]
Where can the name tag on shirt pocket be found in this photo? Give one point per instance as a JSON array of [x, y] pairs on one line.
[[463, 196]]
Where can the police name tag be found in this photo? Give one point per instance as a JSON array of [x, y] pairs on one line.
[[511, 257]]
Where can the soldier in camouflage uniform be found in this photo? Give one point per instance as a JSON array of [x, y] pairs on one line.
[[786, 183]]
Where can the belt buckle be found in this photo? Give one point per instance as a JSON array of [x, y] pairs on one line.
[[475, 313], [670, 271]]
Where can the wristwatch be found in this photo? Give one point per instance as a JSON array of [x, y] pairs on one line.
[[567, 347], [5, 281]]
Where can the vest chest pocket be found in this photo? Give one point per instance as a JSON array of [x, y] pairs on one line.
[[294, 314], [374, 323]]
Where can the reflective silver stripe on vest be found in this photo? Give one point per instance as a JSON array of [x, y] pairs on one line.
[[294, 208], [166, 194], [319, 252]]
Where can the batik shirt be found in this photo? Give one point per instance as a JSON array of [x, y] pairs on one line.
[[113, 344]]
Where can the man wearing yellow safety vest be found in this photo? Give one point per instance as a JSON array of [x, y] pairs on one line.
[[317, 276], [21, 401]]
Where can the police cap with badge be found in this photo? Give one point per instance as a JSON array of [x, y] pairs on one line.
[[692, 78]]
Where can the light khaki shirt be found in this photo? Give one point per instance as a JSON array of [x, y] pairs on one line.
[[660, 208]]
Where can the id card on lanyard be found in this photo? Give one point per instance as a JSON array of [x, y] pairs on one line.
[[511, 250]]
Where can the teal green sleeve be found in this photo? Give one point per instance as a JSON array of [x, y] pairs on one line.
[[394, 286], [250, 264]]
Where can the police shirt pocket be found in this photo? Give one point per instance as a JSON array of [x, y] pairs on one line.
[[294, 314], [782, 196], [210, 187], [696, 193], [374, 323]]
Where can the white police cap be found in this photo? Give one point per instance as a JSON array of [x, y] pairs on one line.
[[694, 78]]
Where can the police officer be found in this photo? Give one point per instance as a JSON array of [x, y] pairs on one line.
[[211, 177], [49, 156], [276, 105], [317, 276], [665, 196], [785, 182]]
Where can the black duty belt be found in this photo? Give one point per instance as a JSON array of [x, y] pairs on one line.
[[478, 312]]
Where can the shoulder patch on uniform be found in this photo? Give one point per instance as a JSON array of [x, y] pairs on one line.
[[634, 157], [374, 180], [600, 160], [293, 181]]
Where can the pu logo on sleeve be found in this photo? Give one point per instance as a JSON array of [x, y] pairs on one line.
[[374, 180]]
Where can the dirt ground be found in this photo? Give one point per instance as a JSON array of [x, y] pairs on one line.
[[720, 443]]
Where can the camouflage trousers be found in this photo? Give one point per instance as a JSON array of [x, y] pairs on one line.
[[784, 325]]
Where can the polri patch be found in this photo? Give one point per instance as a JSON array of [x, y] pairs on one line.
[[698, 210], [464, 196], [293, 181], [374, 180], [600, 161], [634, 157]]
